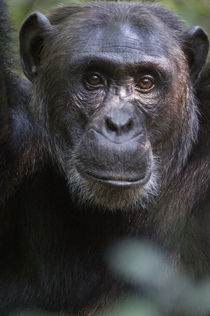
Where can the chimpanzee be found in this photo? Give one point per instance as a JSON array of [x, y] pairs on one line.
[[112, 144]]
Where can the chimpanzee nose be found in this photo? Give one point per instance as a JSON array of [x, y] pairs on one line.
[[119, 122]]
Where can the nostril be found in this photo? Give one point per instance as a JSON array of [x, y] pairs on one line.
[[111, 125], [119, 126]]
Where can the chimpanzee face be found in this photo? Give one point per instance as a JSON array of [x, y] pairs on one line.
[[115, 103], [113, 89]]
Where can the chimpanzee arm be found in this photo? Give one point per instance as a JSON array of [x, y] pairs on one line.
[[15, 127]]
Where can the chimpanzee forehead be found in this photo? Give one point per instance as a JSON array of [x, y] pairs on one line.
[[122, 39]]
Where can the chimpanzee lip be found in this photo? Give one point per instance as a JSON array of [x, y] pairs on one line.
[[117, 182]]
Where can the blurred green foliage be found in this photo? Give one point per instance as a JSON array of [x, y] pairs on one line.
[[161, 289], [193, 11], [164, 289]]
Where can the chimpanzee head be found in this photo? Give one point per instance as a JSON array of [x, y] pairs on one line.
[[113, 94]]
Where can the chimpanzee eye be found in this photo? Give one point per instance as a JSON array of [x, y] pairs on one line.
[[94, 80], [146, 83]]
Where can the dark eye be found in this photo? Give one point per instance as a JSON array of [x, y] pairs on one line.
[[146, 83], [94, 80]]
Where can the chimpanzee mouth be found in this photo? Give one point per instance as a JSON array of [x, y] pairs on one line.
[[119, 183]]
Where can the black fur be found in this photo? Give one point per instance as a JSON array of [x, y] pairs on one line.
[[53, 243], [15, 126]]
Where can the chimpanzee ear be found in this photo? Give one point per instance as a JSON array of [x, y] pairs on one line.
[[32, 34], [196, 50]]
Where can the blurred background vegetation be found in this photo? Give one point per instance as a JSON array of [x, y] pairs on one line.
[[194, 12]]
